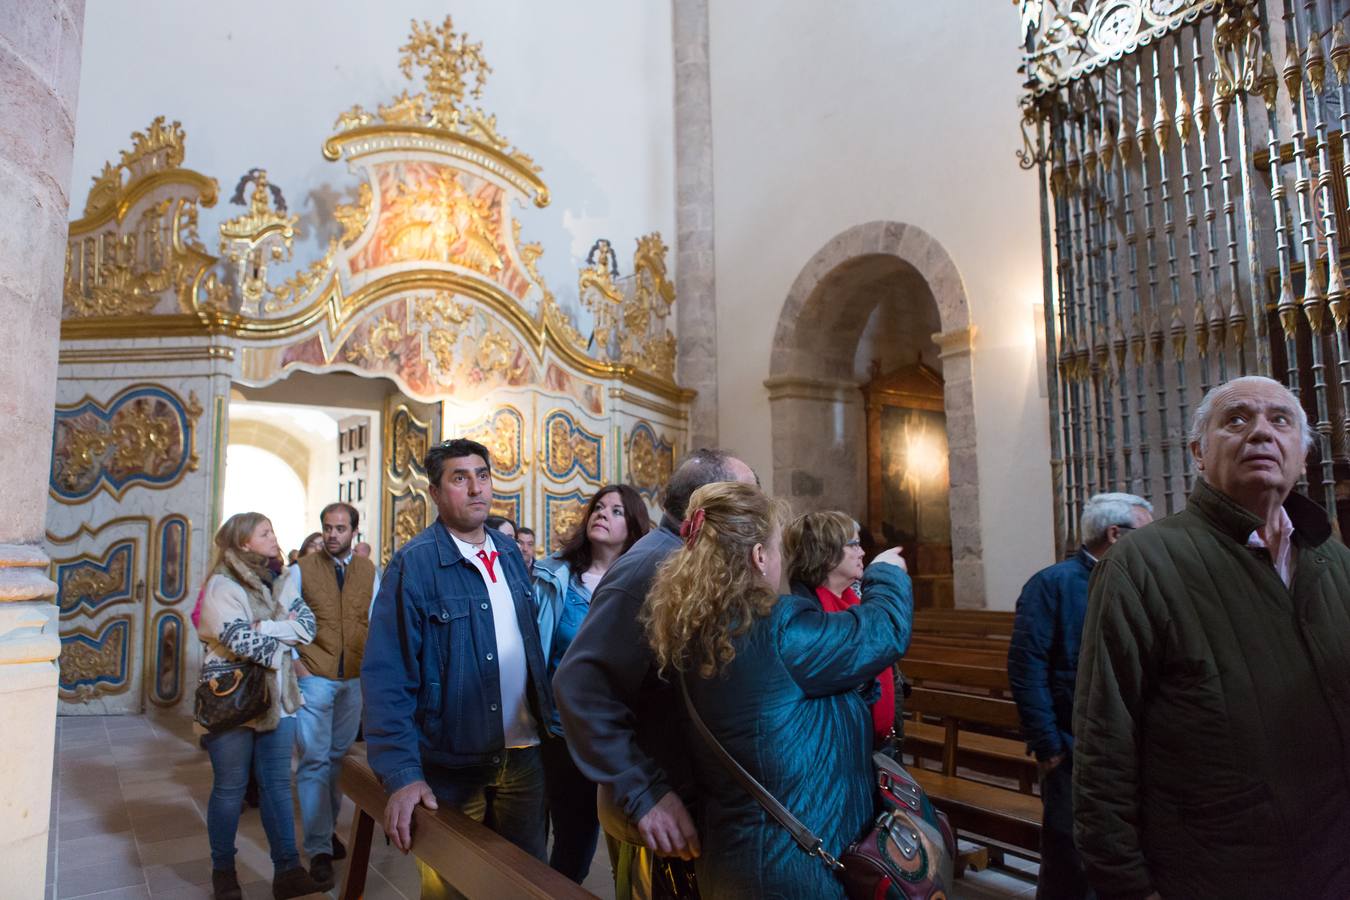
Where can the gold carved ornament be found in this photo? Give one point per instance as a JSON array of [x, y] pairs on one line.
[[648, 343], [380, 345], [501, 435], [506, 505], [631, 330], [650, 467], [599, 293], [116, 266], [565, 521], [568, 444], [142, 439], [263, 233], [492, 351], [410, 442], [255, 237], [87, 581], [80, 662], [453, 70], [409, 521]]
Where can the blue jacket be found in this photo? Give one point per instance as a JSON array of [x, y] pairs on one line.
[[430, 679], [788, 709], [1043, 655], [551, 576]]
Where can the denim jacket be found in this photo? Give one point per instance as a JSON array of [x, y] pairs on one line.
[[430, 679]]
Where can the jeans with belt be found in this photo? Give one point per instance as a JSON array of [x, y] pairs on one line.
[[506, 796], [268, 754]]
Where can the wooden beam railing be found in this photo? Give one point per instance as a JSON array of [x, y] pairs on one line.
[[475, 860]]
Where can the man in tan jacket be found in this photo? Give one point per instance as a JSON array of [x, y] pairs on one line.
[[338, 586]]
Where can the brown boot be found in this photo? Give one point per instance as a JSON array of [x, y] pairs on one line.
[[225, 885], [294, 883]]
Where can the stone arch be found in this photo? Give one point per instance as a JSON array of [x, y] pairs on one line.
[[291, 450], [815, 401]]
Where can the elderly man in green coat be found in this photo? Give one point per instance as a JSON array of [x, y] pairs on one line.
[[1212, 716]]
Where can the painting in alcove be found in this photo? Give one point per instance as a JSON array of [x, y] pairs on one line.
[[914, 507]]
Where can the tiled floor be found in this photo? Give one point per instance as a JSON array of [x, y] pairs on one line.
[[128, 821]]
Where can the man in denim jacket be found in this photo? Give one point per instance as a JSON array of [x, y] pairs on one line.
[[453, 678]]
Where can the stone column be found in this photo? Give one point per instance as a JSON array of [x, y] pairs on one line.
[[695, 282], [39, 81], [963, 475]]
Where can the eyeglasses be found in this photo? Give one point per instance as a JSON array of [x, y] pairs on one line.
[[853, 543]]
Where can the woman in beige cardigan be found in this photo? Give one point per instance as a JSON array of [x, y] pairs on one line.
[[252, 615]]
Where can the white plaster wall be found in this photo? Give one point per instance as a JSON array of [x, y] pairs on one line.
[[829, 117], [583, 87]]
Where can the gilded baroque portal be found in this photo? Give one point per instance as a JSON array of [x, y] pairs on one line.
[[427, 283]]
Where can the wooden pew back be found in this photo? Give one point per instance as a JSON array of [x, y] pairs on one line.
[[477, 861]]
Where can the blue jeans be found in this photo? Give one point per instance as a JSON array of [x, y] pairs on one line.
[[325, 728], [268, 753], [507, 797]]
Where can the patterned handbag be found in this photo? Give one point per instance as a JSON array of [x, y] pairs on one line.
[[909, 852], [230, 697]]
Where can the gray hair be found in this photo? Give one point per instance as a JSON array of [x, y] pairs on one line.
[[1104, 510], [1200, 422]]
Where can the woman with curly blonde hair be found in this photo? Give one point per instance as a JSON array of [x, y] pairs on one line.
[[780, 683]]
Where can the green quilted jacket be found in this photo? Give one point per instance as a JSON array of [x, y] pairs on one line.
[[1212, 714]]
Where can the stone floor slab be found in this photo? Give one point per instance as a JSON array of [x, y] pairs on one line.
[[78, 881]]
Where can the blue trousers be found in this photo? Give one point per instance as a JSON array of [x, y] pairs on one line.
[[1062, 876], [326, 726], [507, 797], [571, 810], [268, 754]]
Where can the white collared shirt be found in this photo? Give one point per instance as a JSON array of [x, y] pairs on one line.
[[517, 723], [1283, 560]]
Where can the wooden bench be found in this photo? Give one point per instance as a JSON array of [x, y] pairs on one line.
[[1000, 816], [964, 622], [477, 861], [1000, 757], [1006, 819]]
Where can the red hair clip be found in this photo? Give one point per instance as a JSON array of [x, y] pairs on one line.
[[691, 526]]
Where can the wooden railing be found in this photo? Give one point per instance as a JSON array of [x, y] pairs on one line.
[[475, 860]]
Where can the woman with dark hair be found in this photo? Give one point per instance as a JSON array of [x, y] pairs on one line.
[[501, 524], [612, 522], [252, 615], [312, 544], [776, 680], [825, 560]]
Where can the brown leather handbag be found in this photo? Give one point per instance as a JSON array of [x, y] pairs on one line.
[[232, 697]]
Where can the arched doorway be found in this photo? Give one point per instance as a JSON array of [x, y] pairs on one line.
[[880, 302]]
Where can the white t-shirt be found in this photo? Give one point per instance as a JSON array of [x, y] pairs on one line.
[[517, 723]]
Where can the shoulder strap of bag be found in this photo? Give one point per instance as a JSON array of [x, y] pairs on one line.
[[805, 837]]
